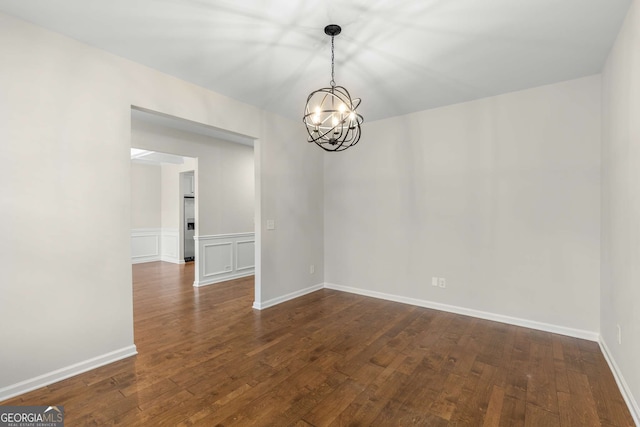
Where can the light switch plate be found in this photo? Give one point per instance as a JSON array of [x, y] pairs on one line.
[[271, 224]]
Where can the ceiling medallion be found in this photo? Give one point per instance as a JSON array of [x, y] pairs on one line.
[[330, 115]]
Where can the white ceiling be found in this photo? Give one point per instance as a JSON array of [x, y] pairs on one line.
[[399, 56], [154, 158]]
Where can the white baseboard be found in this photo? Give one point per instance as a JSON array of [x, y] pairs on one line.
[[66, 372], [562, 330], [226, 277], [278, 300], [171, 259], [632, 404], [141, 260]]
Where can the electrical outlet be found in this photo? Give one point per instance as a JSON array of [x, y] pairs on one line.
[[312, 269], [271, 224], [619, 335], [442, 282], [434, 281], [227, 268]]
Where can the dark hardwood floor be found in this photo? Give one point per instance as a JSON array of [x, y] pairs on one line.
[[330, 358]]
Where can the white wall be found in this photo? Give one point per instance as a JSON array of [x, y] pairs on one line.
[[169, 200], [620, 291], [294, 200], [65, 269], [224, 178], [500, 196], [145, 195]]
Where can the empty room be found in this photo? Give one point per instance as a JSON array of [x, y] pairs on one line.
[[320, 213]]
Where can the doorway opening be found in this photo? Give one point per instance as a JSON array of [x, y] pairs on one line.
[[161, 184], [218, 196]]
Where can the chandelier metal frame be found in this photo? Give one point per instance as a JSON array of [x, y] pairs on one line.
[[330, 115]]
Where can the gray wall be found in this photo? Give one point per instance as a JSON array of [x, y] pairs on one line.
[[294, 200], [620, 289], [145, 196], [65, 197], [224, 177], [500, 196]]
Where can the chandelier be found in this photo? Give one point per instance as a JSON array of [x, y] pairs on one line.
[[330, 115]]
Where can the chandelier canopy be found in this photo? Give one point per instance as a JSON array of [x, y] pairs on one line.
[[330, 115]]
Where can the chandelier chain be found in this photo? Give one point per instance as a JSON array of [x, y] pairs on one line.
[[333, 81]]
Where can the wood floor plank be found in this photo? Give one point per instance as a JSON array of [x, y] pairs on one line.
[[328, 409], [474, 400], [445, 403], [366, 407], [206, 358], [560, 367], [513, 412], [541, 384], [582, 407], [538, 417], [494, 410]]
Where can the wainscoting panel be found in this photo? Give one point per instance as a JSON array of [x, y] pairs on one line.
[[245, 254], [217, 258], [224, 257], [170, 246], [155, 244], [145, 245]]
